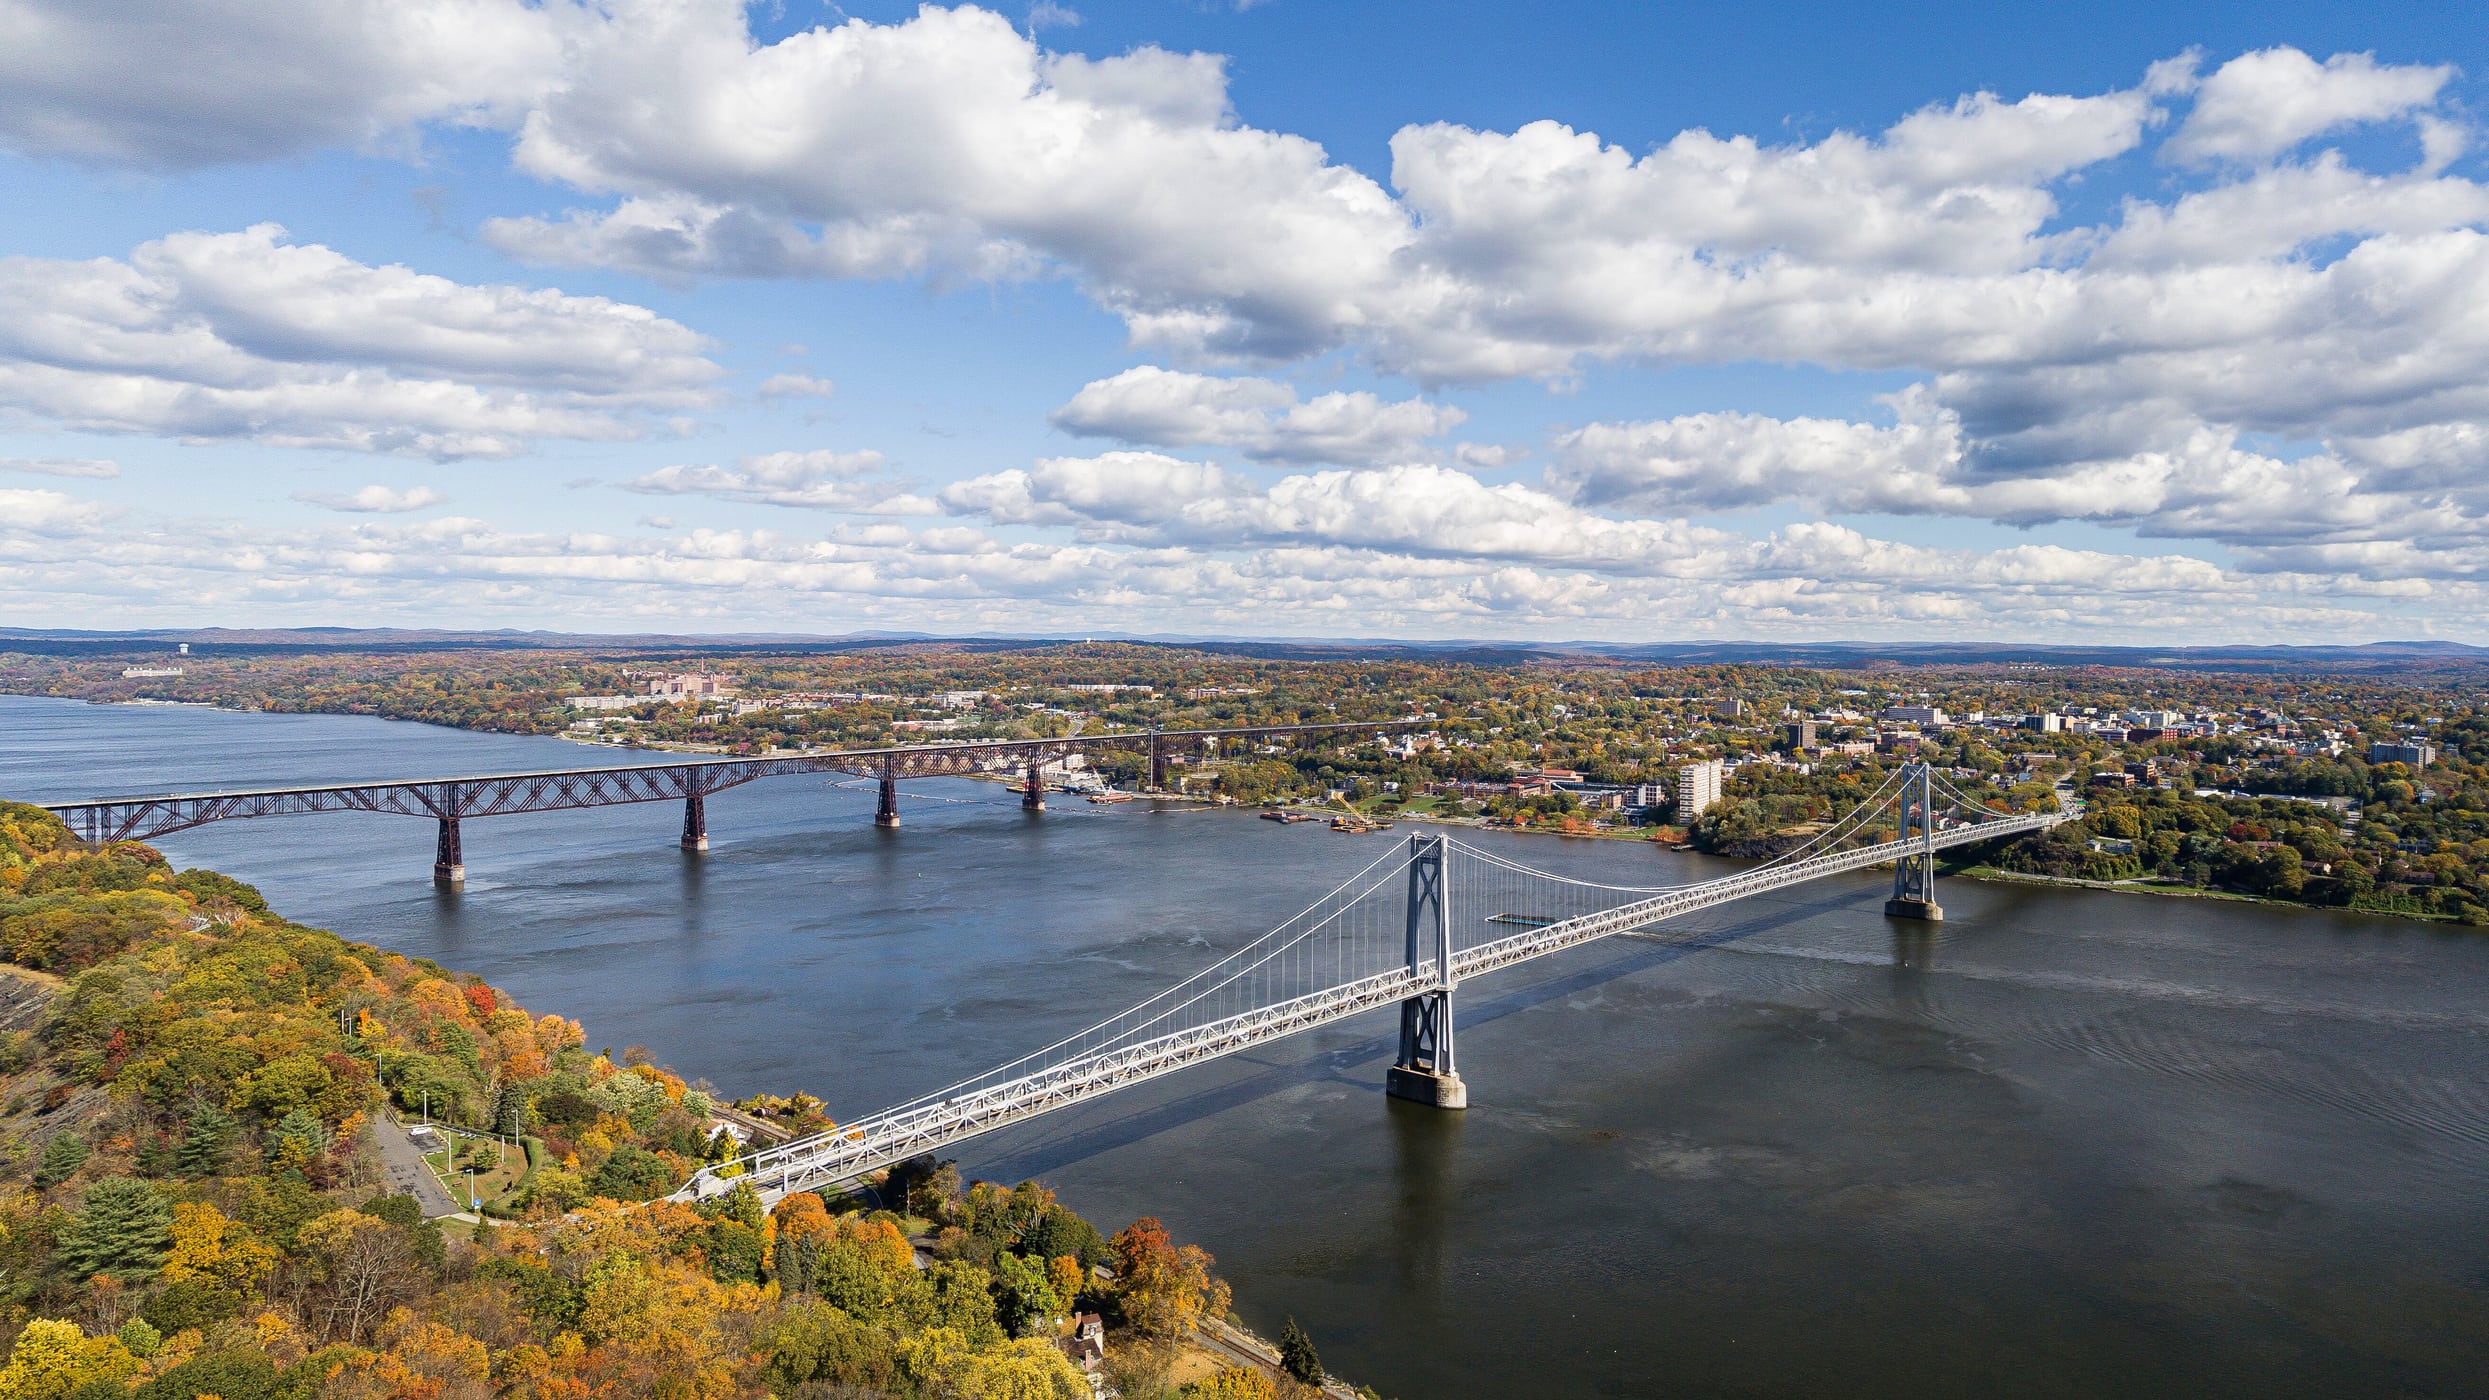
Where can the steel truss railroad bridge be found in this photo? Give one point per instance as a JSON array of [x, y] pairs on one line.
[[1405, 931], [450, 801]]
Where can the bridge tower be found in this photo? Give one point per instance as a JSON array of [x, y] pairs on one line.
[[1914, 875], [1425, 1072], [1033, 795]]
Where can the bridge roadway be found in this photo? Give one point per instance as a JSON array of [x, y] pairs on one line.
[[854, 1150], [449, 800]]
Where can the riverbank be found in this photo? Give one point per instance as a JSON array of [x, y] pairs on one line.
[[2176, 890], [206, 1064]]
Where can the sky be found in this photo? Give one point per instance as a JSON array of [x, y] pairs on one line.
[[2162, 324]]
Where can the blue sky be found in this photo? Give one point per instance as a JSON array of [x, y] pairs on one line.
[[1410, 320]]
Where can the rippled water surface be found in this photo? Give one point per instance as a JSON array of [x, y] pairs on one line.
[[2069, 1144]]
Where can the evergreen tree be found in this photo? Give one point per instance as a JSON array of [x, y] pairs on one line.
[[204, 1146], [297, 1137], [62, 1157], [510, 1109], [743, 1206], [122, 1230], [1296, 1354], [158, 1155]]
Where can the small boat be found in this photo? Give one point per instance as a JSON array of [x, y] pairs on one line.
[[1110, 797]]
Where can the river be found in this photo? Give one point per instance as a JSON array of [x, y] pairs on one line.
[[2069, 1144]]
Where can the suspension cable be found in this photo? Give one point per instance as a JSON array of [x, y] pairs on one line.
[[1874, 802], [1233, 974]]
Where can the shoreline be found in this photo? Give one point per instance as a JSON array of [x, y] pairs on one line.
[[1987, 873], [1994, 875]]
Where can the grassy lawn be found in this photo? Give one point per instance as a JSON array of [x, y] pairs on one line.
[[496, 1170]]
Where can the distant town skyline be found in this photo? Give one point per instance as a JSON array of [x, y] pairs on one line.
[[2105, 325]]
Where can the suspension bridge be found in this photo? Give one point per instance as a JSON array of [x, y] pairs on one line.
[[1404, 931]]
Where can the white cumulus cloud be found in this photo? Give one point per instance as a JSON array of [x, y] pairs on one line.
[[374, 500], [1799, 580], [796, 386], [1261, 418], [816, 480], [46, 512], [247, 336], [2261, 104], [172, 84]]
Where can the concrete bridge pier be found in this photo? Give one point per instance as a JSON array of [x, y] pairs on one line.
[[1033, 796], [695, 823], [449, 857], [886, 811], [1425, 1073]]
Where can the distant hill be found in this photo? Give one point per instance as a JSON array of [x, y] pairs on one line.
[[2432, 656]]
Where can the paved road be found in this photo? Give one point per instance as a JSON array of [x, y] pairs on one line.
[[407, 1175]]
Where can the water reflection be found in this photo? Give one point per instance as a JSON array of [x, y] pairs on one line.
[[1425, 1148], [1914, 944], [691, 892]]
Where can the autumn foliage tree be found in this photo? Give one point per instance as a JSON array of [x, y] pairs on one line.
[[1163, 1289]]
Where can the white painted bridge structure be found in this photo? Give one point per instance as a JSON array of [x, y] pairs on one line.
[[1404, 931]]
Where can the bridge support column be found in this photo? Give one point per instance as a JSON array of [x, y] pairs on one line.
[[695, 822], [1033, 796], [449, 858], [1914, 875], [1425, 1072], [1157, 765], [886, 811]]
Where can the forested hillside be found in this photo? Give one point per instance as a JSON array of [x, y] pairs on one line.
[[191, 1092]]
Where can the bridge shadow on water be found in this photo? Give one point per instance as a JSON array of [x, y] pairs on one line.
[[1339, 1065]]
